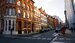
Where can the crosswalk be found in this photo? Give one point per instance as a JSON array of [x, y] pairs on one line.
[[62, 40]]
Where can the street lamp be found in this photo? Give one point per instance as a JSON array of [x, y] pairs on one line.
[[66, 21]]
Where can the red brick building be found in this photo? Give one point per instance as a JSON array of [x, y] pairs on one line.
[[43, 19], [56, 23], [50, 22], [17, 16], [37, 20]]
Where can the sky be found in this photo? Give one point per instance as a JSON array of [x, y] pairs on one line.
[[52, 7]]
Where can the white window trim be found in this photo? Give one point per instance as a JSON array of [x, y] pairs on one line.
[[24, 15], [19, 3]]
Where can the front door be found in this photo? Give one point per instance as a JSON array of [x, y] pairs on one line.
[[19, 28]]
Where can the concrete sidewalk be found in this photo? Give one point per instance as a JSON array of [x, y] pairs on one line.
[[18, 35]]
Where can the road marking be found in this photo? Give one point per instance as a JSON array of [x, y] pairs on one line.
[[53, 40], [49, 38], [33, 38], [58, 42], [37, 35], [43, 38], [61, 39], [38, 38]]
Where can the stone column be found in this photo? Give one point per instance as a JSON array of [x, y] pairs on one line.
[[4, 27], [7, 25]]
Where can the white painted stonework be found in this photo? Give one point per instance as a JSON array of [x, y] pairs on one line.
[[6, 25]]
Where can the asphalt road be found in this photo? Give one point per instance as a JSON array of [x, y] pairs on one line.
[[45, 37]]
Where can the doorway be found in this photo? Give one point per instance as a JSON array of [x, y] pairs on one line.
[[19, 28]]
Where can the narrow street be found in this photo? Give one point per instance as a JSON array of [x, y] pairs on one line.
[[45, 37]]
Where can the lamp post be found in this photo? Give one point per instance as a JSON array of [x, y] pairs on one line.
[[66, 21]]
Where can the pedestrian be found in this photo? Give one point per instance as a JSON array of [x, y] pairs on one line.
[[1, 31], [63, 29], [12, 30], [71, 29]]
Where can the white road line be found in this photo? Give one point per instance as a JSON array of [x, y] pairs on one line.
[[34, 38], [38, 38], [43, 38], [49, 38], [37, 35], [61, 39], [53, 40], [58, 42]]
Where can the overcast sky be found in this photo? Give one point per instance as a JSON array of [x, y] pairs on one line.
[[52, 7]]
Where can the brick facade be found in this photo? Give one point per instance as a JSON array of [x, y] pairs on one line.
[[18, 14]]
